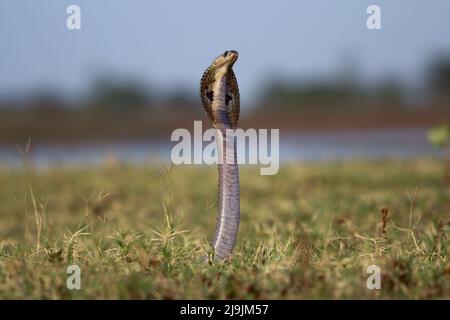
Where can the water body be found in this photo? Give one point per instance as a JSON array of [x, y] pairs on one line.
[[294, 147]]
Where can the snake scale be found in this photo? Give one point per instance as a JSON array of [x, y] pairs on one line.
[[220, 98]]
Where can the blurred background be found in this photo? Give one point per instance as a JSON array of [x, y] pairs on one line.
[[119, 86]]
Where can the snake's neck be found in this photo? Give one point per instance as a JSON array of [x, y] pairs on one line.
[[220, 97], [219, 105]]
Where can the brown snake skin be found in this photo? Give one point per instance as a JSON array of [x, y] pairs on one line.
[[220, 97]]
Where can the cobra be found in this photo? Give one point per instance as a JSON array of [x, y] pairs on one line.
[[220, 98]]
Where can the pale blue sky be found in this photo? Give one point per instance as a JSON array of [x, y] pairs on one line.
[[170, 43]]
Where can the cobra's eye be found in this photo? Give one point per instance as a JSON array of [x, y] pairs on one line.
[[225, 54]]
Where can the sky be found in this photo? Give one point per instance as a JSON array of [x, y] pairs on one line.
[[170, 43]]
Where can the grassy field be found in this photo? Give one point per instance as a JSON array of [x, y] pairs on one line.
[[308, 232]]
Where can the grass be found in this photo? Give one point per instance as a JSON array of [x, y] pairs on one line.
[[308, 232]]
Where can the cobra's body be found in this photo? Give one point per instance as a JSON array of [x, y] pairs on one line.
[[220, 97]]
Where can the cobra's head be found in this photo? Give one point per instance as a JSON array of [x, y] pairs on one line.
[[225, 60]]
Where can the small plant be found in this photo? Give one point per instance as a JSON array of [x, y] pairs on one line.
[[440, 137], [384, 221]]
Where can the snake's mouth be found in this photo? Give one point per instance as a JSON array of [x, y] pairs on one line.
[[231, 54]]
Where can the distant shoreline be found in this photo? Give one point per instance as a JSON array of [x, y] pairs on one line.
[[74, 127]]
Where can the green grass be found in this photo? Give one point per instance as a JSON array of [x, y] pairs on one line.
[[308, 232]]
